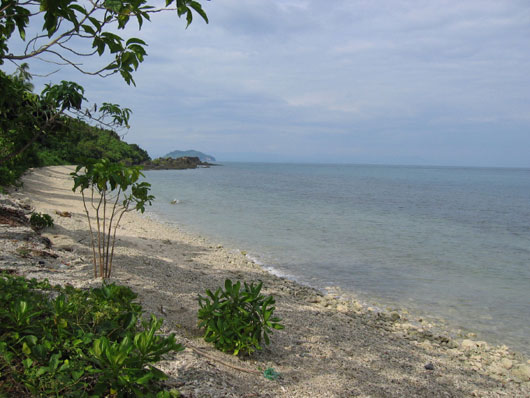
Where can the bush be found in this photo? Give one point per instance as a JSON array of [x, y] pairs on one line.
[[113, 189], [235, 319], [40, 221], [57, 341]]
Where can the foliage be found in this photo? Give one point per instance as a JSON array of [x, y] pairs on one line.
[[236, 319], [78, 142], [92, 26], [40, 130], [113, 190], [19, 113], [41, 220], [68, 26], [62, 341]]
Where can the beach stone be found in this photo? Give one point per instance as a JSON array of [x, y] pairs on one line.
[[66, 248], [342, 308], [522, 372], [314, 299], [395, 316], [425, 344], [497, 369], [429, 366], [357, 306], [506, 363], [467, 344]]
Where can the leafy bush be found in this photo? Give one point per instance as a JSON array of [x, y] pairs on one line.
[[236, 319], [57, 341], [113, 189], [41, 220]]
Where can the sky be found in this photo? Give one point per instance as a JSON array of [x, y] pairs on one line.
[[441, 82]]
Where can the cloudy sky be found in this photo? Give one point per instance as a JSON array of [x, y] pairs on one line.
[[441, 82]]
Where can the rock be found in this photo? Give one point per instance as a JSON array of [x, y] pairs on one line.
[[63, 213], [467, 344], [472, 344], [395, 316], [522, 372], [342, 308], [65, 248], [429, 366], [506, 363], [496, 368], [425, 344], [168, 163]]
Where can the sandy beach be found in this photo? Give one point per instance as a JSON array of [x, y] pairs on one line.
[[330, 347]]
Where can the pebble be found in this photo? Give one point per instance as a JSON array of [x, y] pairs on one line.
[[472, 344], [395, 316], [522, 372], [506, 363], [429, 366], [496, 368]]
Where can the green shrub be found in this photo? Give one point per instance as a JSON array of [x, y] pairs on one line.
[[112, 190], [57, 341], [39, 221], [235, 319]]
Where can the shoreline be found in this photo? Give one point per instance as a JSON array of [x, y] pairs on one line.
[[331, 347], [418, 317]]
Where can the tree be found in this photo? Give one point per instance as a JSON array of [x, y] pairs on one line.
[[69, 25], [113, 190], [71, 30], [26, 117]]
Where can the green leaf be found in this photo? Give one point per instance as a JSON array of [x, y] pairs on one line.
[[27, 362], [41, 371], [145, 378], [134, 40], [88, 29], [25, 349], [54, 362], [198, 8], [113, 5], [65, 365], [76, 374]]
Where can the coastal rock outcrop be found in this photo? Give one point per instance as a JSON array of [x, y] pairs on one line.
[[182, 163]]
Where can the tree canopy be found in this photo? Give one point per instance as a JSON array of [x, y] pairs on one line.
[[71, 31]]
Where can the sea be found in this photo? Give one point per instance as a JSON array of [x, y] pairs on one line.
[[447, 242]]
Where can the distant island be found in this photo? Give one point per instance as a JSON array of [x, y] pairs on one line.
[[190, 153]]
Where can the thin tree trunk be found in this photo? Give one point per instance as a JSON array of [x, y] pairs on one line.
[[109, 258], [92, 243]]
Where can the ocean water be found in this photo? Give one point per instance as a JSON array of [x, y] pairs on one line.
[[453, 243]]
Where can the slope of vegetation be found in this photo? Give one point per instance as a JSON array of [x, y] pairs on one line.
[[36, 131], [80, 141]]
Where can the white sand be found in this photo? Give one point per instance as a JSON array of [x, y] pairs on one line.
[[329, 348]]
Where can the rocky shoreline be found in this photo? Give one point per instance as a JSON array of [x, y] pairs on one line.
[[331, 347], [182, 163]]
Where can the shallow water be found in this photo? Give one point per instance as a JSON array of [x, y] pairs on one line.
[[450, 242]]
